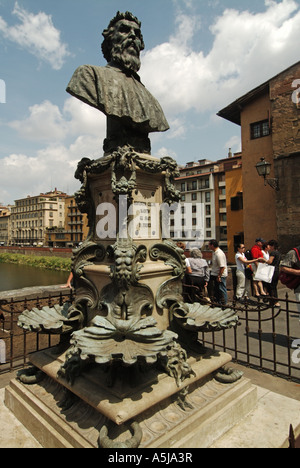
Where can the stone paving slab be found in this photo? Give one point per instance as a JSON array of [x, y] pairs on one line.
[[267, 426], [12, 433]]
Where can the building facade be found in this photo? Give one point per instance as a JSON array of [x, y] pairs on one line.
[[5, 228], [74, 230], [214, 191], [31, 217], [269, 117], [196, 185]]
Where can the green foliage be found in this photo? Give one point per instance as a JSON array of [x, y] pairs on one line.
[[46, 263]]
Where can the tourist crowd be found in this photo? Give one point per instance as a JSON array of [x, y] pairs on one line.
[[258, 269]]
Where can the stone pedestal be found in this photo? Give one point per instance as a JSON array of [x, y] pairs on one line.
[[131, 340], [211, 408]]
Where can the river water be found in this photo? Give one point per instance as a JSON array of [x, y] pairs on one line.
[[20, 276]]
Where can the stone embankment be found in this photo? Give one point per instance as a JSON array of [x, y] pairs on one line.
[[38, 251], [42, 292]]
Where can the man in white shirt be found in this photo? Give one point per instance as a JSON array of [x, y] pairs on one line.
[[219, 273]]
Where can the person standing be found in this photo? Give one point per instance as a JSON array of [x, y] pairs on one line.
[[291, 265], [274, 260], [197, 270], [219, 273], [243, 288], [256, 253], [265, 251]]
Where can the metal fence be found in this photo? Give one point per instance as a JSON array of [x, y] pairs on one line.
[[17, 344], [267, 338]]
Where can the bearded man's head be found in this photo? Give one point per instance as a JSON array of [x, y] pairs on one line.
[[123, 41]]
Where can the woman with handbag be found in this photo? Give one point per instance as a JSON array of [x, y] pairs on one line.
[[274, 260], [243, 288], [257, 254]]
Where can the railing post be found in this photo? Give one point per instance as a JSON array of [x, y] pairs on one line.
[[292, 442], [288, 338], [11, 333], [274, 335], [247, 335], [260, 338]]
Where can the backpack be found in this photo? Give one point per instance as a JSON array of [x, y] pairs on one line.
[[290, 281], [248, 268], [248, 255]]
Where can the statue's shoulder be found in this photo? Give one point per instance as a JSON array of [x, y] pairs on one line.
[[85, 76], [95, 72], [87, 70]]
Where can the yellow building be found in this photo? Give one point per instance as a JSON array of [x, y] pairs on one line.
[[234, 210], [75, 222], [32, 216], [5, 231], [74, 230]]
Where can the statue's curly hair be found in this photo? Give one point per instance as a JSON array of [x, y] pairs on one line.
[[106, 44]]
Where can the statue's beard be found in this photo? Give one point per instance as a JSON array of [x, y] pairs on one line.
[[127, 55]]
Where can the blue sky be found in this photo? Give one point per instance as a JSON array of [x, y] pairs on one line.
[[199, 57]]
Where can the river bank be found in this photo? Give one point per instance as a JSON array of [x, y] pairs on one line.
[[43, 262], [38, 251]]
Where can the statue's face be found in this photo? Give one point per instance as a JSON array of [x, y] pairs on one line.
[[127, 44], [128, 34]]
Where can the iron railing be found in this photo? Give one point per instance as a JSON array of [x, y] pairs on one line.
[[16, 344], [267, 338]]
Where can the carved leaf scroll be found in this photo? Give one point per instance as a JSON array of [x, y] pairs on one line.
[[203, 318], [53, 320], [171, 290], [105, 341]]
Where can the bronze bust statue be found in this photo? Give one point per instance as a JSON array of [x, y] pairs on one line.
[[116, 90]]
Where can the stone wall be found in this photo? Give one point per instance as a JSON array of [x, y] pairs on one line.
[[41, 292], [288, 201], [285, 112], [286, 148]]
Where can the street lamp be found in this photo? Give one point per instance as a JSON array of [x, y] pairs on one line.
[[263, 168]]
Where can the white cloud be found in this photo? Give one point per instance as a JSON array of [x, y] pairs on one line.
[[83, 119], [36, 34], [52, 166], [70, 134], [234, 143], [163, 152], [46, 122], [248, 49]]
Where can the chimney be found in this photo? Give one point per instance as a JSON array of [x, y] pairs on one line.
[[230, 153]]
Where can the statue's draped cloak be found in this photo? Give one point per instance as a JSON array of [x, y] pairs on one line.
[[118, 95]]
